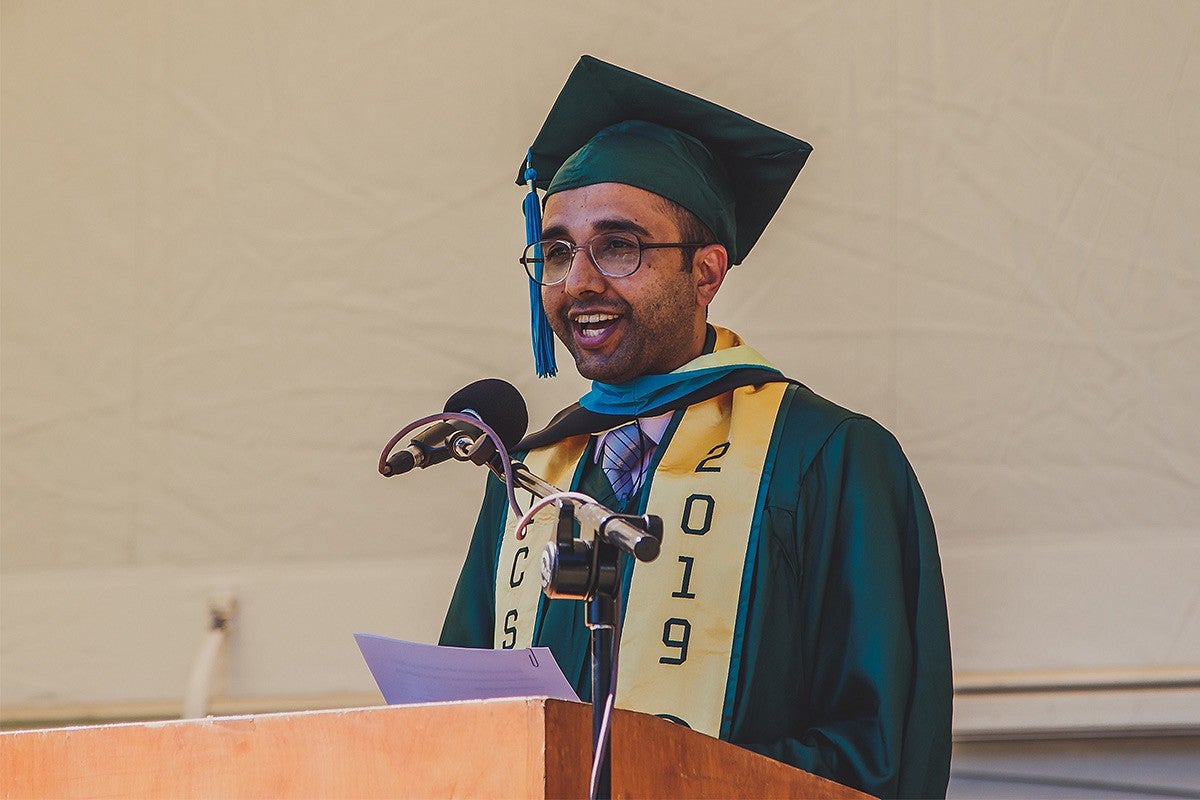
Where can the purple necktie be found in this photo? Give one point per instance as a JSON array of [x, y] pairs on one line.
[[624, 451]]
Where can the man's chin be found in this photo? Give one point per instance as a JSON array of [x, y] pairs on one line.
[[604, 369]]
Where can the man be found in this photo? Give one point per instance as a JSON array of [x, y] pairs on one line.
[[797, 606]]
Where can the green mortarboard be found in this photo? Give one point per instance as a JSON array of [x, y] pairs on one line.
[[610, 125], [749, 167]]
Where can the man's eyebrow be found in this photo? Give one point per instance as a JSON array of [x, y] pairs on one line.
[[622, 225], [556, 232], [601, 226]]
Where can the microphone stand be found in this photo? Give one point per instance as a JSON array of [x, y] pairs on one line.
[[590, 569], [577, 569]]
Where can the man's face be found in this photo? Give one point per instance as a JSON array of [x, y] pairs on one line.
[[618, 329]]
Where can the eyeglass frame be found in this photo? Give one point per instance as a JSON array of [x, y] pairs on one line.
[[527, 261]]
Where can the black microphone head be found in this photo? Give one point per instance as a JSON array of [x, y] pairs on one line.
[[399, 464], [496, 402]]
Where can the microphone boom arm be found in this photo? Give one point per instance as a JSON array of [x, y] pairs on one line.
[[640, 537]]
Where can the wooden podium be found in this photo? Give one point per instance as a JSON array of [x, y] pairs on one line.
[[530, 748]]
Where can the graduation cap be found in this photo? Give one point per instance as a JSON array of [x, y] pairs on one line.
[[610, 125]]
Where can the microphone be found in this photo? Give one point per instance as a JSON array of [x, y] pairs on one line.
[[432, 446], [494, 402]]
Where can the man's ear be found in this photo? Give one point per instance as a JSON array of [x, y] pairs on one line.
[[709, 265]]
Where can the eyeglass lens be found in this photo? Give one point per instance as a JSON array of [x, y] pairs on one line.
[[615, 254]]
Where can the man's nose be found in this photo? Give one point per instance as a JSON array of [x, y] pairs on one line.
[[583, 276]]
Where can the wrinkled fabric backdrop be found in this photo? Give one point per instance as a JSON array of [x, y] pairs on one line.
[[246, 242]]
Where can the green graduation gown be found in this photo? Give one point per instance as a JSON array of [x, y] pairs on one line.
[[846, 655]]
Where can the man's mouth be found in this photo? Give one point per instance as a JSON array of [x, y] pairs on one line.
[[592, 329]]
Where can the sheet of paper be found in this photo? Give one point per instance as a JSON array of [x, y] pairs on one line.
[[409, 672]]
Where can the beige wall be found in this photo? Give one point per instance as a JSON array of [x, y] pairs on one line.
[[245, 242]]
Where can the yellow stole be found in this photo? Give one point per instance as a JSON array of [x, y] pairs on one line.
[[677, 652]]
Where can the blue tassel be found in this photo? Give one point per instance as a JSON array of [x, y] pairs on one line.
[[543, 336]]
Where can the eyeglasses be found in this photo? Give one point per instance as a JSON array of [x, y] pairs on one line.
[[617, 254]]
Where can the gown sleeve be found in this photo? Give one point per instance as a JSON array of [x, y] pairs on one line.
[[872, 683], [470, 618]]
